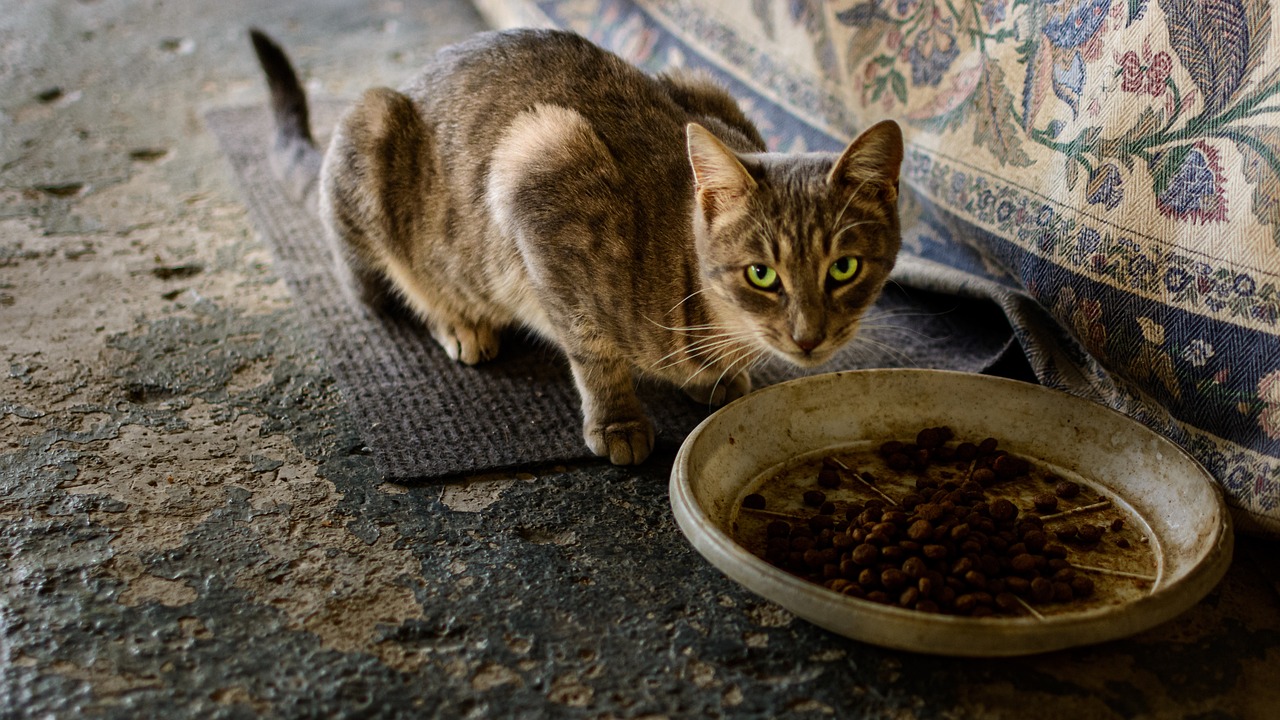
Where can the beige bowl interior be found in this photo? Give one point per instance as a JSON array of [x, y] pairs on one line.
[[1157, 483]]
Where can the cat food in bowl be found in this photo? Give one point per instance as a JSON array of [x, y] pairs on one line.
[[949, 513]]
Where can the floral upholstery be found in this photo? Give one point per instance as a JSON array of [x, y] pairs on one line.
[[1107, 170]]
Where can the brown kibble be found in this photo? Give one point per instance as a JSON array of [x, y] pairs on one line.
[[1082, 586], [818, 523], [927, 606], [837, 584], [1002, 510], [1008, 467], [930, 511], [868, 578], [1090, 534], [1042, 589], [1066, 489], [1117, 525], [1024, 563], [893, 579], [778, 528], [984, 477], [1007, 601], [1055, 552], [842, 541], [814, 498], [754, 501], [909, 597], [800, 543], [827, 508], [828, 478], [934, 551], [1067, 533], [931, 437], [920, 530], [865, 554], [890, 448], [988, 446], [878, 596], [1045, 502], [914, 567], [1062, 592], [976, 579], [867, 478], [1017, 585], [1035, 540], [899, 461], [1122, 543], [892, 553]]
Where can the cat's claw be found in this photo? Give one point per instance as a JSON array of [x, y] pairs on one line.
[[624, 443]]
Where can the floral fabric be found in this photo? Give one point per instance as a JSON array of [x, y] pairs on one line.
[[1107, 170]]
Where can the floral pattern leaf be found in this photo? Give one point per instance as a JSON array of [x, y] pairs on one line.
[[995, 126], [1212, 38], [1038, 82], [1137, 8], [861, 15], [1260, 159]]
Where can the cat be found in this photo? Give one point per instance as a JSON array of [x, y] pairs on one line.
[[530, 179]]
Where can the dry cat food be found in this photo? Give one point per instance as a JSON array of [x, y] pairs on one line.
[[928, 525]]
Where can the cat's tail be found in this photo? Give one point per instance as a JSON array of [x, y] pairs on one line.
[[294, 157]]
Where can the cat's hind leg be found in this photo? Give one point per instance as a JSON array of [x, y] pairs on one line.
[[379, 184]]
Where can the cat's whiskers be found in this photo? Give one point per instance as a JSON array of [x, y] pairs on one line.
[[861, 339], [743, 350], [723, 352], [752, 356], [686, 299], [702, 346]]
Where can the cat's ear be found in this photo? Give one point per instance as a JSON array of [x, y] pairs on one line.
[[719, 180], [871, 162]]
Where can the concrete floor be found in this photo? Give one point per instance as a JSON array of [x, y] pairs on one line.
[[188, 526]]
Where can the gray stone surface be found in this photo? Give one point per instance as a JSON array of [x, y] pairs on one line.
[[189, 527]]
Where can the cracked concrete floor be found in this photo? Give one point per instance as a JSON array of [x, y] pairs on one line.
[[189, 527]]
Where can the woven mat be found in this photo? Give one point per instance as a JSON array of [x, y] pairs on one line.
[[424, 416]]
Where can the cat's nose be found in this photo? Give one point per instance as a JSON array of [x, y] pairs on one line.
[[807, 344]]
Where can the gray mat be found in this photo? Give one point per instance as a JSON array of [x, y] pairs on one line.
[[424, 416]]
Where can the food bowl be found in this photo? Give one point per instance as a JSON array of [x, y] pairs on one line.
[[767, 442]]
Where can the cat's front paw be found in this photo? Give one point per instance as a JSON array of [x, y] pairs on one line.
[[624, 442], [722, 393], [467, 344]]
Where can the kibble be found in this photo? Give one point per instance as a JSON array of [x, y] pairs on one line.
[[814, 498], [1045, 502], [754, 501], [945, 546], [1066, 489]]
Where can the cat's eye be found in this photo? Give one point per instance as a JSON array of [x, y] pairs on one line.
[[762, 276], [844, 269]]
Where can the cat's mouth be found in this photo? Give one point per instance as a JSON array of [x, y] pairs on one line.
[[801, 357]]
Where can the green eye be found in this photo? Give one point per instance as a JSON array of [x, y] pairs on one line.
[[762, 276], [844, 269]]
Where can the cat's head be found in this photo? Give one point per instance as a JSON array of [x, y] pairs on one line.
[[794, 248]]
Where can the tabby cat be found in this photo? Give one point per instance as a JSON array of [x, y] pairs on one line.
[[529, 179]]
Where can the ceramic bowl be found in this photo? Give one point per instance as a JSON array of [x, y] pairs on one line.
[[768, 442]]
